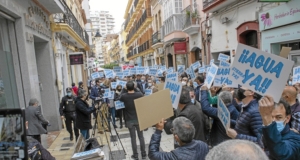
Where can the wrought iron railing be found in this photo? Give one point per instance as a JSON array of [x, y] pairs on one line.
[[207, 3], [190, 15], [174, 23], [69, 18], [156, 37]]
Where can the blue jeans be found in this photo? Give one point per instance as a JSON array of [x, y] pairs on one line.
[[85, 134], [113, 114]]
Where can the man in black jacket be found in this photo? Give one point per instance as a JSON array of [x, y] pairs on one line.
[[67, 112], [191, 112]]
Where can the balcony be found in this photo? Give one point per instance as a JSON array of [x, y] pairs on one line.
[[139, 27], [53, 6], [131, 18], [67, 25], [210, 6], [191, 25], [172, 29], [156, 40], [141, 50]]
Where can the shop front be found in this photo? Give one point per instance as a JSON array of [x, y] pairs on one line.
[[176, 54], [280, 27]]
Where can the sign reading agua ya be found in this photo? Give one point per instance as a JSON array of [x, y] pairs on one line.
[[175, 91], [222, 76], [95, 75], [113, 85], [223, 114], [148, 92], [109, 73], [172, 76], [119, 105], [260, 72], [296, 75], [107, 93], [213, 69]]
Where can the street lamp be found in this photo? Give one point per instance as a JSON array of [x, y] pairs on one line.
[[98, 35]]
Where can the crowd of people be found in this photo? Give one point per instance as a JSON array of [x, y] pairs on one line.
[[259, 127]]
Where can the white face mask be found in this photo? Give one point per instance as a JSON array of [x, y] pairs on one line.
[[183, 82], [149, 84]]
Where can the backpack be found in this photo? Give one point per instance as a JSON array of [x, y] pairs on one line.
[[36, 151]]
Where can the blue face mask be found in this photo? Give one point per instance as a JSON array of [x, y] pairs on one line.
[[69, 94], [280, 125], [193, 101]]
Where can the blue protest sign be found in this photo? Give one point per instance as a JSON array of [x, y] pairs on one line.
[[195, 65], [170, 70], [163, 68], [126, 72], [95, 75], [148, 92], [213, 69], [117, 69], [296, 75], [109, 73], [222, 77], [191, 73], [160, 73], [122, 83], [224, 64], [119, 105], [223, 114], [261, 72], [175, 91], [119, 74], [146, 70], [180, 66], [111, 95], [140, 70], [212, 61], [152, 72], [101, 74], [180, 70], [223, 57], [113, 85], [201, 70], [132, 71], [172, 76], [107, 93]]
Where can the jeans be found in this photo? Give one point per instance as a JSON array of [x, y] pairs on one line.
[[112, 111], [121, 116], [132, 127], [85, 133]]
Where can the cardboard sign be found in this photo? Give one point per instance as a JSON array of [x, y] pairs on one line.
[[151, 109], [148, 92], [117, 69], [261, 72], [223, 57], [202, 70], [119, 105], [119, 74], [180, 66], [140, 70], [172, 76], [213, 69], [175, 91], [152, 72], [122, 83], [195, 65], [109, 73], [160, 86], [95, 75], [126, 73], [223, 114], [285, 51], [107, 93], [113, 85]]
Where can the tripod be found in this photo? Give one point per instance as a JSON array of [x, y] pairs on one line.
[[103, 120]]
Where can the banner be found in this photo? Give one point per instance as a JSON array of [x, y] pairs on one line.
[[223, 114], [175, 91], [172, 76], [261, 72], [213, 69], [195, 65], [109, 73], [148, 92], [113, 85], [223, 57], [119, 105]]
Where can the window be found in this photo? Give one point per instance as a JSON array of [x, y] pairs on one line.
[[178, 6]]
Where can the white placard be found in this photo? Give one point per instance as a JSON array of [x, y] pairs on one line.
[[113, 85], [296, 75], [170, 70], [148, 92], [195, 65], [119, 105], [95, 75], [107, 93], [223, 57], [213, 69], [119, 74], [175, 91], [180, 66], [112, 95], [109, 73], [122, 83], [126, 72], [172, 76], [261, 72], [223, 114], [152, 71], [201, 70], [140, 70]]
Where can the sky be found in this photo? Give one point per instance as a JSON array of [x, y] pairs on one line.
[[115, 7]]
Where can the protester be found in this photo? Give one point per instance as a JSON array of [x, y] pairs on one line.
[[249, 120], [120, 112], [35, 120], [281, 142], [290, 95], [132, 120], [83, 111], [218, 132], [183, 131], [80, 86], [142, 85], [199, 80], [184, 81], [236, 150], [75, 89], [67, 110]]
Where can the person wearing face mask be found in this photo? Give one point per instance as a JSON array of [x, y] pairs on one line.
[[249, 120], [143, 84], [67, 112], [120, 112], [184, 81], [183, 131], [281, 142]]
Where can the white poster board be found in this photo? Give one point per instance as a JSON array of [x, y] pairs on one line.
[[195, 65], [113, 85], [109, 73], [296, 75], [223, 57], [172, 76], [175, 91], [213, 69], [95, 75], [119, 105], [122, 83], [261, 72], [223, 114], [148, 92]]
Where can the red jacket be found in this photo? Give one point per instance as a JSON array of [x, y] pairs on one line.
[[75, 90]]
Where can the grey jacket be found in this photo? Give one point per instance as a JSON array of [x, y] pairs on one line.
[[35, 120]]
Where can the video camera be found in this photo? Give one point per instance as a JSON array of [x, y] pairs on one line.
[[100, 94]]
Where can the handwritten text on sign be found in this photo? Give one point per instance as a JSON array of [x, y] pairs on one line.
[[119, 105], [223, 114], [175, 91], [261, 72]]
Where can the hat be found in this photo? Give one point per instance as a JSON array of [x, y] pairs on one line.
[[69, 89]]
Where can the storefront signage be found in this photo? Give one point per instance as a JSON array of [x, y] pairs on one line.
[[41, 27], [76, 59], [281, 15], [180, 47]]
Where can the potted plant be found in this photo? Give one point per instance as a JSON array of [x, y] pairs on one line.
[[194, 17]]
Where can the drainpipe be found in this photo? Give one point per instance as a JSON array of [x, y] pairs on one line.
[[203, 51]]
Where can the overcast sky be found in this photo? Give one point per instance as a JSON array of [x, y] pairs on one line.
[[115, 7]]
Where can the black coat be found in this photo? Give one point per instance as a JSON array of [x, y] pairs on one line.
[[140, 86], [83, 111]]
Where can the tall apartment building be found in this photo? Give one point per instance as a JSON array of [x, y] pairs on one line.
[[103, 21]]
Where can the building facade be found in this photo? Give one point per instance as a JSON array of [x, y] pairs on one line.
[[103, 21]]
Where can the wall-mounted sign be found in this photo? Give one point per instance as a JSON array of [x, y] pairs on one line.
[[180, 47], [76, 59]]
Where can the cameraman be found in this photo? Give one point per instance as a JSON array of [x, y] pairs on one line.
[[96, 95]]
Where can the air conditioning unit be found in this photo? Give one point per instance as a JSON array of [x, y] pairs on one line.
[[225, 20], [160, 51]]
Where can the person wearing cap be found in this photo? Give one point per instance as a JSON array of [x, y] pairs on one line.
[[67, 112], [35, 120]]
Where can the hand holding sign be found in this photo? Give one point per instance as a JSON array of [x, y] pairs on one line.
[[266, 106]]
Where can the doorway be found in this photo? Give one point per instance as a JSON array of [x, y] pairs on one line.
[[170, 60]]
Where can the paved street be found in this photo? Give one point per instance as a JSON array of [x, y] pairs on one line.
[[62, 148]]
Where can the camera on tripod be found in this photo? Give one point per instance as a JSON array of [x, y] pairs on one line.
[[100, 96]]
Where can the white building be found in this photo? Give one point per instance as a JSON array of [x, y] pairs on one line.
[[103, 21]]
